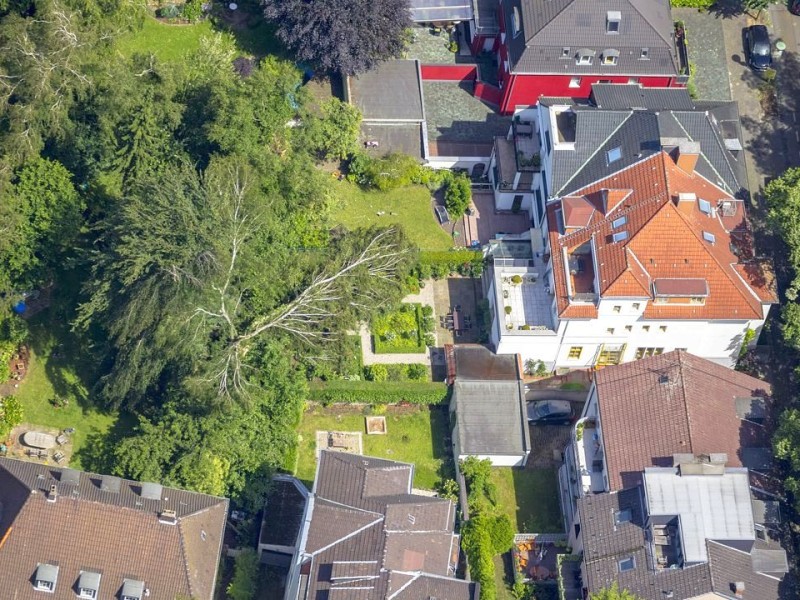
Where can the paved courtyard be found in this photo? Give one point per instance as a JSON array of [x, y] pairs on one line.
[[453, 114], [706, 44]]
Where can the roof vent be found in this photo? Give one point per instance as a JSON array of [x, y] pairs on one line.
[[52, 494], [168, 517]]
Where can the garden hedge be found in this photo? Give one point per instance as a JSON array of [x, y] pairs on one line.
[[692, 3], [387, 392], [438, 264]]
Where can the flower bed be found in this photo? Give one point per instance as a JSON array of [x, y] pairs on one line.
[[404, 331]]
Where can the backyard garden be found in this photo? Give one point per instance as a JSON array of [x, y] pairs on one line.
[[407, 330], [415, 434]]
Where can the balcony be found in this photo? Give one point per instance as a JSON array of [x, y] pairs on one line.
[[580, 269], [526, 141], [524, 302], [589, 457]]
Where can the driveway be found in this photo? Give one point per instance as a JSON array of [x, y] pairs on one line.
[[770, 141]]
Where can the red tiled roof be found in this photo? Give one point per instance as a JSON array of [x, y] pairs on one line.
[[674, 403], [666, 239]]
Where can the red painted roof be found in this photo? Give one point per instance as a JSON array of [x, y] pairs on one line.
[[666, 239]]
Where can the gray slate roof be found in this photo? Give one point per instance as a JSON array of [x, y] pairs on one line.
[[548, 26], [426, 11], [390, 92], [642, 132], [605, 543], [370, 538], [491, 417]]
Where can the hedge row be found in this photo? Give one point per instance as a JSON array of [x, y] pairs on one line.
[[692, 3], [443, 263], [388, 392]]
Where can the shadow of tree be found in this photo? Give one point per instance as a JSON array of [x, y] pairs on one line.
[[97, 453], [727, 9]]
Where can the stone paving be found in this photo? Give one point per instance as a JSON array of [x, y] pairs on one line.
[[706, 44], [434, 49]]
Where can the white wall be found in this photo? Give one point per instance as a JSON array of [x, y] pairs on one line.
[[460, 162]]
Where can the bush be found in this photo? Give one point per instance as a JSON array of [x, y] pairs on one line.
[[376, 373], [390, 392], [10, 415], [417, 372], [170, 11], [480, 556], [458, 195], [387, 173], [244, 584], [501, 531], [192, 10], [440, 264], [508, 310]]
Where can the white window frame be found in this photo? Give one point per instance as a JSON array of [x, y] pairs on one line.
[[575, 82], [620, 236], [619, 222]]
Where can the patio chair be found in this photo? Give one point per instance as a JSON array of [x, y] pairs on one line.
[[58, 457]]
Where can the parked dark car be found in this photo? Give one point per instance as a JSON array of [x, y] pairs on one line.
[[550, 412], [794, 7], [759, 50]]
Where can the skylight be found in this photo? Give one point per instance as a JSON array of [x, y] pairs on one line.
[[705, 206], [709, 237], [620, 236], [614, 155], [619, 222]]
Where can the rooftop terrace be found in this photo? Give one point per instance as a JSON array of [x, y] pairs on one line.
[[527, 306]]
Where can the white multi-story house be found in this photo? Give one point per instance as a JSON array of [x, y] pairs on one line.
[[641, 243]]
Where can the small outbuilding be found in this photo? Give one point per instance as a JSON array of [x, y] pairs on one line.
[[487, 408]]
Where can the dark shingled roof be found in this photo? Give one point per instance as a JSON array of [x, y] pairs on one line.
[[391, 91], [283, 512], [115, 533], [370, 537], [605, 543], [550, 26], [675, 403], [659, 118], [477, 363]]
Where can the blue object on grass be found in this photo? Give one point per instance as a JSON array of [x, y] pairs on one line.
[[20, 307]]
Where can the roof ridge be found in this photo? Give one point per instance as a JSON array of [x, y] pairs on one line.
[[674, 116], [550, 22], [685, 401], [348, 536], [668, 42], [186, 572]]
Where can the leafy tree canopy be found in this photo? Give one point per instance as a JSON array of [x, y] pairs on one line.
[[348, 36], [613, 593]]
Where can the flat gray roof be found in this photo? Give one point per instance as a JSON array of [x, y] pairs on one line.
[[476, 363], [491, 417], [390, 92]]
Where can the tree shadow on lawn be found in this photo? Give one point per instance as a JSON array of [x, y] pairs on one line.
[[441, 441], [537, 497], [97, 452]]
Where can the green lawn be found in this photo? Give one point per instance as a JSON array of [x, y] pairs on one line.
[[166, 42], [414, 434], [409, 207], [59, 367], [530, 498], [502, 577]]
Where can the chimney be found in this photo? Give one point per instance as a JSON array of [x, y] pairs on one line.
[[168, 517], [686, 155], [52, 495], [738, 589]]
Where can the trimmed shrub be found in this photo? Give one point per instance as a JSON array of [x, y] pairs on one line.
[[389, 392], [705, 4], [376, 373], [442, 263], [458, 195], [417, 372], [477, 543]]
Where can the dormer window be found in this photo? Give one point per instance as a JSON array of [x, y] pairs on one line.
[[610, 57], [45, 578], [613, 18], [585, 56], [132, 590], [88, 585]]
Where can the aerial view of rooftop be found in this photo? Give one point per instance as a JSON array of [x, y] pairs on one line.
[[400, 300]]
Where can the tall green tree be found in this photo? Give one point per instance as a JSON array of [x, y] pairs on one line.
[[613, 593]]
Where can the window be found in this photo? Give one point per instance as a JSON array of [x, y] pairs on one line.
[[628, 327], [633, 80], [663, 328], [619, 222], [645, 55], [636, 306], [645, 328], [585, 56], [617, 308], [613, 18], [610, 57], [709, 237], [705, 206], [516, 23], [539, 205], [620, 236], [548, 142], [575, 82], [87, 593], [614, 155], [565, 52], [623, 516], [44, 586], [643, 352], [575, 352], [610, 331], [627, 564], [684, 349]]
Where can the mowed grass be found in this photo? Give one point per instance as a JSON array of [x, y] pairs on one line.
[[408, 206], [59, 367], [166, 42], [530, 498], [414, 434]]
